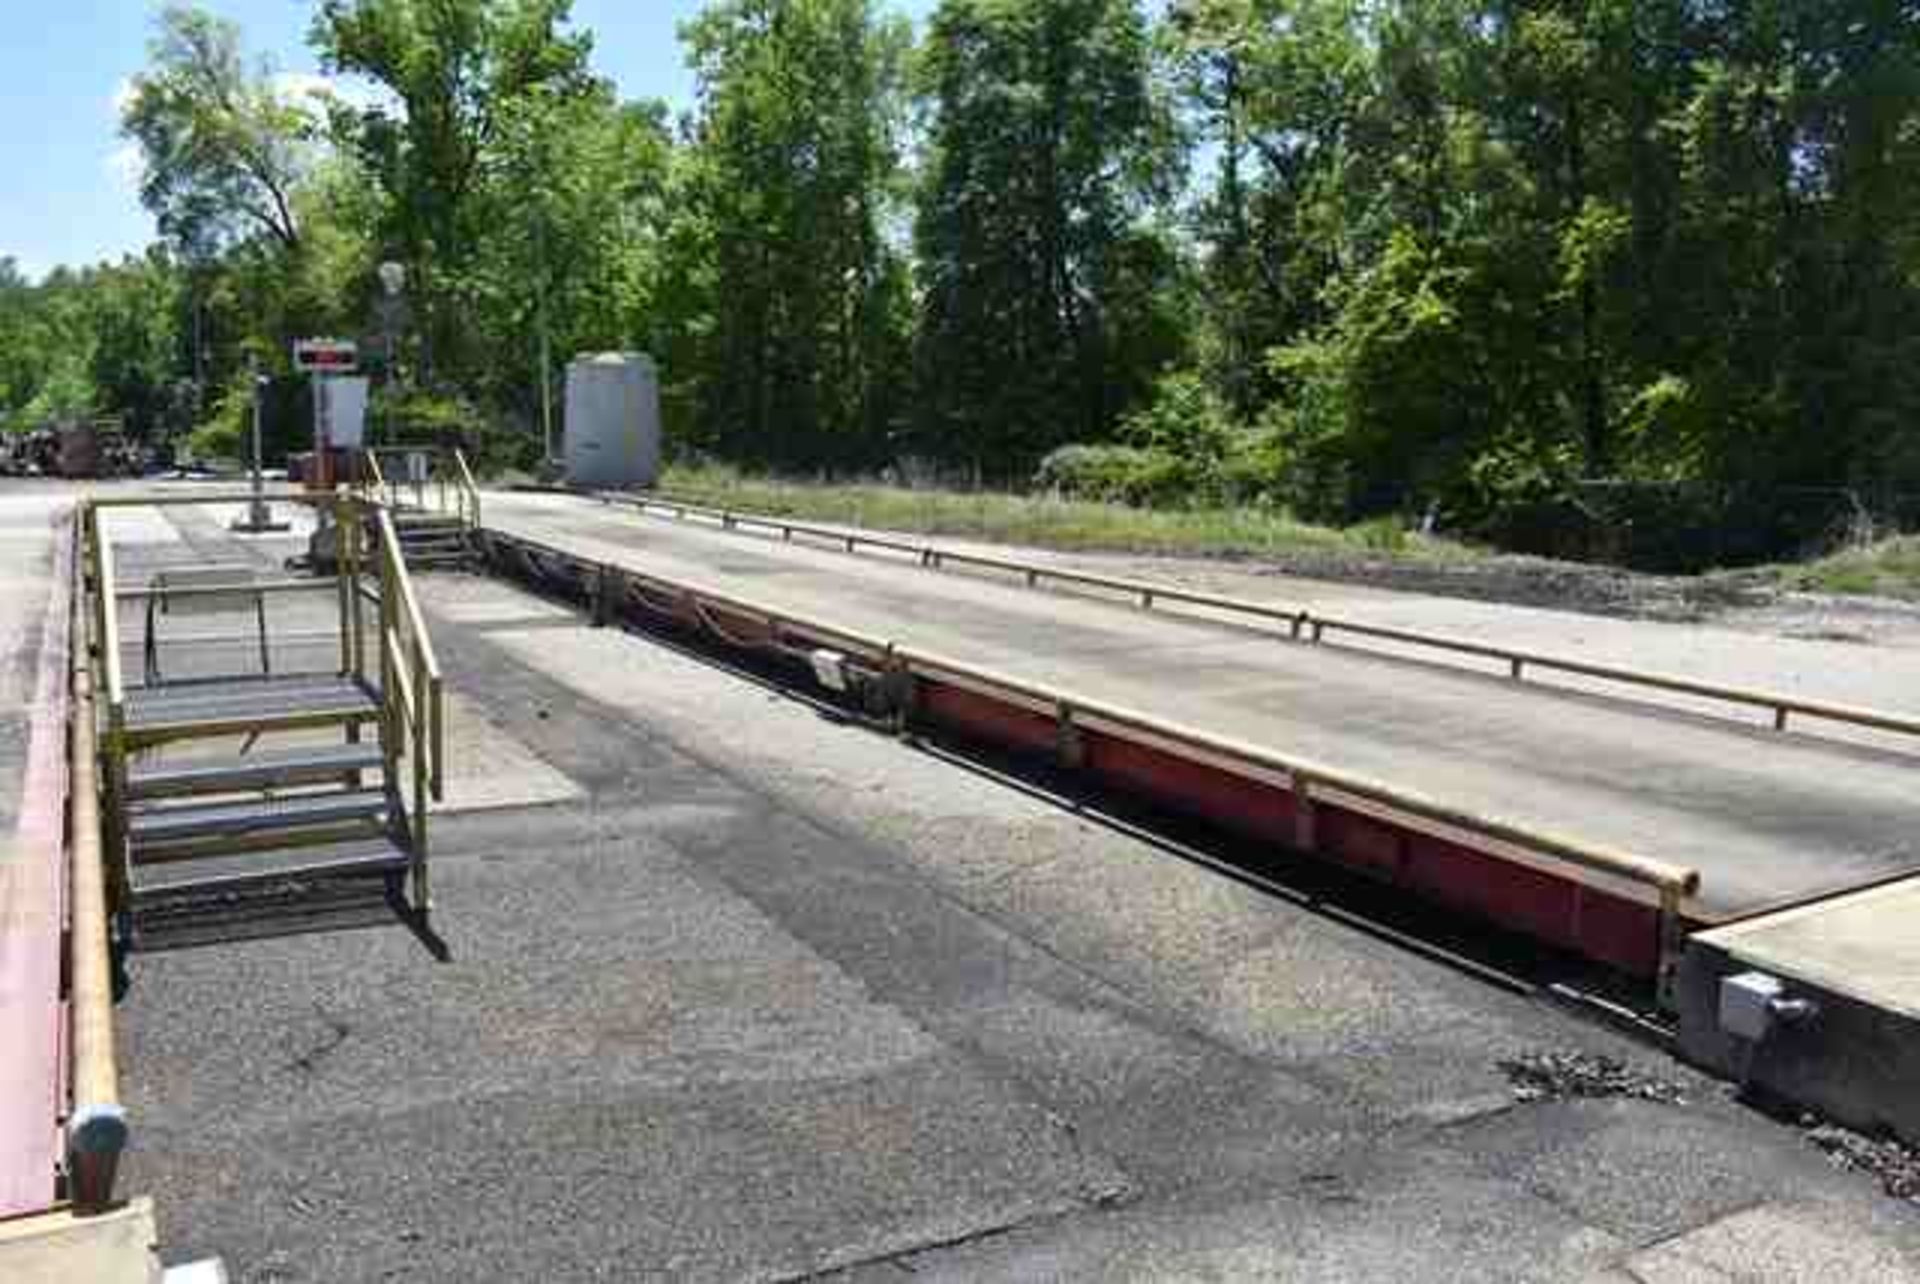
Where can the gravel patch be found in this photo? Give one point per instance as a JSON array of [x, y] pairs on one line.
[[1555, 1076], [1895, 1164]]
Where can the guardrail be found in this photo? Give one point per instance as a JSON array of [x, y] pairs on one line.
[[411, 689], [1664, 886], [1302, 624], [437, 471]]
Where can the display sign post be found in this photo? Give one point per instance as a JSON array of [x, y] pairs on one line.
[[322, 359]]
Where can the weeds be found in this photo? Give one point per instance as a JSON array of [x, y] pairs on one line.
[[1052, 522]]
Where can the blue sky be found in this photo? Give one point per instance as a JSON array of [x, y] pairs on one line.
[[66, 186]]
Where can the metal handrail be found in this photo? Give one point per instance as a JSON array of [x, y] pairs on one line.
[[377, 484], [283, 496], [1302, 623], [411, 693], [469, 488], [456, 477], [421, 666], [97, 1128], [236, 589]]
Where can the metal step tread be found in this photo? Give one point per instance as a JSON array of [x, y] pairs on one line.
[[237, 870], [267, 700], [253, 771], [254, 815]]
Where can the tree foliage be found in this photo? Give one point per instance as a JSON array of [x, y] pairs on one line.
[[1043, 145], [795, 288], [225, 147], [1523, 266]]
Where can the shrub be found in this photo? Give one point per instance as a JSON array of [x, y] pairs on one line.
[[1112, 474]]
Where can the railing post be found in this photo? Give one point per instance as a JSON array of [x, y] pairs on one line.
[[1671, 944], [422, 896], [389, 698], [339, 506]]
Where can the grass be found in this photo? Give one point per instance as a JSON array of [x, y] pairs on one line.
[[1888, 568], [1043, 521]]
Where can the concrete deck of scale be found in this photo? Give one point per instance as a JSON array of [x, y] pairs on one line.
[[1766, 818]]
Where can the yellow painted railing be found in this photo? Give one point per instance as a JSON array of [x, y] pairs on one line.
[[432, 478], [412, 693]]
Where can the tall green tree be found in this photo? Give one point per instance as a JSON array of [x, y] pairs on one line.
[[791, 186], [453, 71], [575, 212], [1044, 147], [224, 147]]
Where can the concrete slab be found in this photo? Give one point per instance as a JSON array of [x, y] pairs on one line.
[[1775, 1243], [114, 1247], [1857, 959], [1865, 946]]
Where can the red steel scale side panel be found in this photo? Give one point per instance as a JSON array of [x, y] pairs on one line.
[[1604, 926], [1250, 807], [977, 715], [32, 913], [1563, 911]]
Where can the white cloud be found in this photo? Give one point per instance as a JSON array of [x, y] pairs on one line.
[[127, 166], [313, 89], [296, 85], [122, 96]]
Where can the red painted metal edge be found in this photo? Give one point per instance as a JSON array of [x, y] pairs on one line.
[[1569, 913], [33, 880]]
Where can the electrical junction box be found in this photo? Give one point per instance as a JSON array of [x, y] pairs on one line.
[[830, 670], [1747, 1005]]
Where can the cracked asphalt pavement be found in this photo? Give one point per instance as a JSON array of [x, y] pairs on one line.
[[767, 996]]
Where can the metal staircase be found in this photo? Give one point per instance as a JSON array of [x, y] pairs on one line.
[[431, 495], [237, 804]]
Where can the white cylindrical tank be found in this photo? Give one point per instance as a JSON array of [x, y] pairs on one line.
[[612, 421]]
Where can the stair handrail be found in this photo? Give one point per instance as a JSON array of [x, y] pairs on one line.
[[411, 693], [376, 481], [469, 491]]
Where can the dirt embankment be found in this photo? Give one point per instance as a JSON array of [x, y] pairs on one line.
[[1754, 600]]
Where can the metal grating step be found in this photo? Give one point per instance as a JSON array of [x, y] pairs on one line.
[[312, 765], [176, 885], [229, 819], [218, 707]]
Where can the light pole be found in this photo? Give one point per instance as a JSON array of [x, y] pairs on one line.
[[393, 280], [259, 517]]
